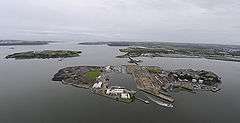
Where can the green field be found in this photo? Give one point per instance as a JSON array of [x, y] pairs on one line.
[[93, 74], [154, 70]]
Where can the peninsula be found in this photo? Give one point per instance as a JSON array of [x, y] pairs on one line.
[[175, 50], [44, 54]]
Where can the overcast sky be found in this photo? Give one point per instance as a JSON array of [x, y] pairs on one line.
[[202, 21]]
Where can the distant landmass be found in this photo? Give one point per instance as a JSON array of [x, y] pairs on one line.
[[158, 44], [175, 50], [22, 42]]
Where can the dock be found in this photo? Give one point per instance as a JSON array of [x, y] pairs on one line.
[[145, 101], [160, 95], [145, 82]]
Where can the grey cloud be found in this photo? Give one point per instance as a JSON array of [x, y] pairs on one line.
[[204, 21]]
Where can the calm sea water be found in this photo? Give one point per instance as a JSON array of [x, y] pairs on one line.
[[27, 94]]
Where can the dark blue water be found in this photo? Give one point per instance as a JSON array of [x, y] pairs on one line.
[[27, 94]]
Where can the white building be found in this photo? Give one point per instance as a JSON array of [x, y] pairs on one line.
[[114, 91], [118, 92], [97, 85], [125, 96], [200, 81], [108, 68], [108, 91], [194, 80]]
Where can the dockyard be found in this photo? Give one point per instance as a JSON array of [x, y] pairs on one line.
[[107, 81]]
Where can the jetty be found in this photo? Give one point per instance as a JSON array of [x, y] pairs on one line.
[[145, 101], [161, 103]]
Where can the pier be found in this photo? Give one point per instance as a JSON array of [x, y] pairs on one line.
[[160, 95], [145, 101]]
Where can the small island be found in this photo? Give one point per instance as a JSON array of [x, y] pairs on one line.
[[153, 80], [45, 54]]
